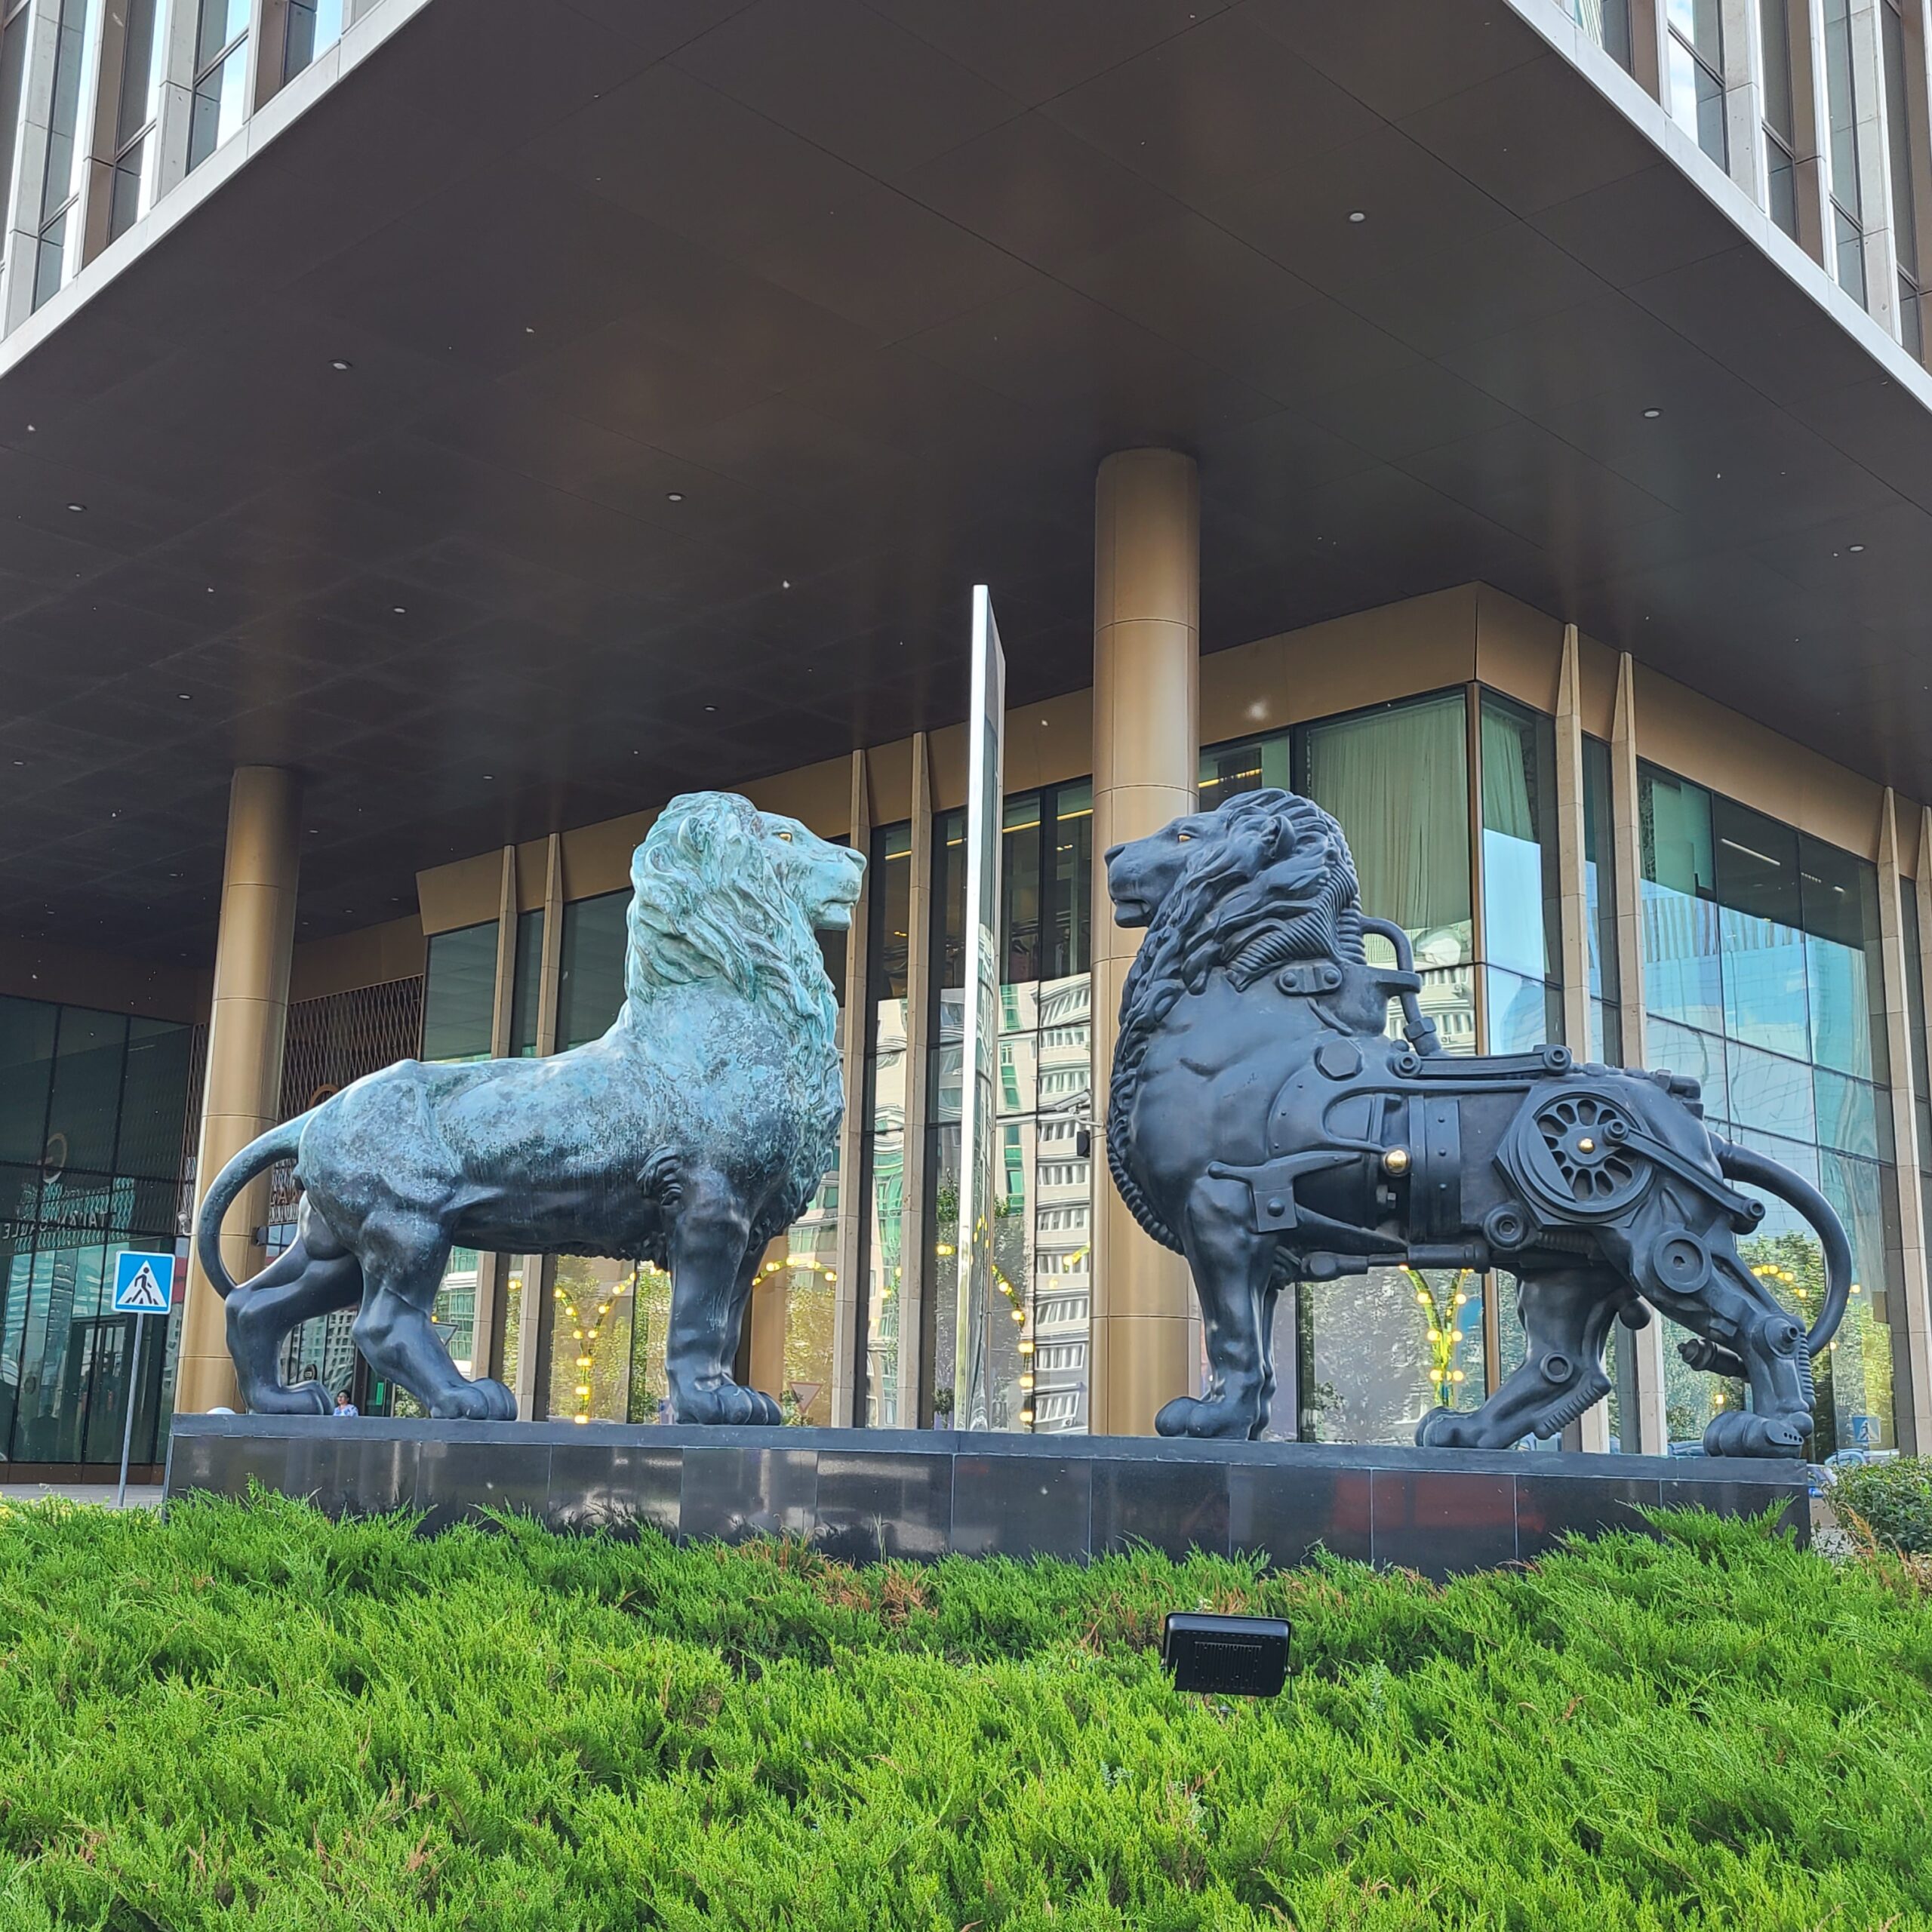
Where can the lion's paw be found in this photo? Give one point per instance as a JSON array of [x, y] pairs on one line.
[[481, 1400], [1221, 1420], [728, 1406], [1442, 1428], [301, 1398], [1740, 1432]]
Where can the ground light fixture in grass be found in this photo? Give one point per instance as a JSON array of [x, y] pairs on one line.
[[1226, 1657], [248, 1715]]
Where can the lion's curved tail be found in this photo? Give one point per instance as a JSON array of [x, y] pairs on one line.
[[1741, 1163], [279, 1144]]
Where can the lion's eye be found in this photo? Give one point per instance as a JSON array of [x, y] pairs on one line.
[[1183, 837], [786, 836]]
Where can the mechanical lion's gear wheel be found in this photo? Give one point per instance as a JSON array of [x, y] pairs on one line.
[[1570, 1153]]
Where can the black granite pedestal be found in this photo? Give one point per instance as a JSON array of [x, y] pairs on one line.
[[863, 1494]]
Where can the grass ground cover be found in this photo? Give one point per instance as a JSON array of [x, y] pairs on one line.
[[251, 1715]]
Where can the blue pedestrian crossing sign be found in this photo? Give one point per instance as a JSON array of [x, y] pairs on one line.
[[143, 1283]]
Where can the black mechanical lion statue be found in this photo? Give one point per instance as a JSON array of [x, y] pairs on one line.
[[1263, 1122]]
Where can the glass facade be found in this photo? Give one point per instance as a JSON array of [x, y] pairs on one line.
[[460, 994], [888, 1385], [1521, 942], [16, 25], [137, 113], [1848, 207], [221, 77], [314, 27], [1042, 1234], [1693, 60], [1903, 74], [1608, 23], [1870, 66], [1411, 842], [93, 1120], [76, 47], [1780, 114], [1761, 968]]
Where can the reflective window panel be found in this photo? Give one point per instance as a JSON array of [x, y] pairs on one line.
[[314, 27], [459, 993]]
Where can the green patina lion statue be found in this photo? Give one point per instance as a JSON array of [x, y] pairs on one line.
[[695, 1130]]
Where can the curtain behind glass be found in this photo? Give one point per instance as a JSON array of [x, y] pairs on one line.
[[1398, 782], [1505, 781]]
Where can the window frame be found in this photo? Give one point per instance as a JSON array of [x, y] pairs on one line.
[[1675, 38], [202, 71]]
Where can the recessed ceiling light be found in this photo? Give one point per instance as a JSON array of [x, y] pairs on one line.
[[1357, 215], [400, 610], [674, 495], [489, 777], [338, 364], [185, 696], [784, 583], [1651, 415], [1857, 549], [711, 707], [77, 508]]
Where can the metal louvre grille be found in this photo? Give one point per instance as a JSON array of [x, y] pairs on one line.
[[335, 1040], [341, 1037]]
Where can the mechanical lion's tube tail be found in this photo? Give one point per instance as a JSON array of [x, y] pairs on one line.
[[1741, 1163], [279, 1144]]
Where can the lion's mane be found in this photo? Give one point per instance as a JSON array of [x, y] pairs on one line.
[[707, 905], [1271, 882]]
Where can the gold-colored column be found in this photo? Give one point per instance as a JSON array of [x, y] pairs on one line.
[[771, 1301], [247, 1025], [1147, 764], [1651, 1430], [846, 1290], [1572, 844]]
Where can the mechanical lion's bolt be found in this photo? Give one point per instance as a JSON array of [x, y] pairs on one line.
[[1396, 1161], [1586, 1146]]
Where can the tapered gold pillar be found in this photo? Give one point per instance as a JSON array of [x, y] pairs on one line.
[[247, 1025], [771, 1306], [1147, 763]]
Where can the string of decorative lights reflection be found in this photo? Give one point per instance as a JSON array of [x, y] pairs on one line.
[[587, 1352], [1016, 1308], [1767, 1272], [1444, 1333]]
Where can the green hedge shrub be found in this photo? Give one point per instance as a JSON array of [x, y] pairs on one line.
[[1894, 1499], [250, 1716]]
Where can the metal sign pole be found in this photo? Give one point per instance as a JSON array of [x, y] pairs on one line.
[[143, 1285], [127, 1428]]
